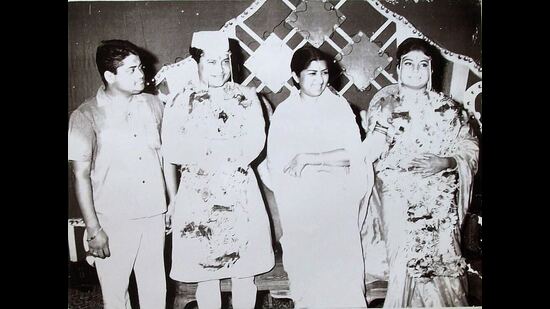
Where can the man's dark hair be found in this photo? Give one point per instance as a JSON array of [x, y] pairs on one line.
[[110, 54], [196, 53]]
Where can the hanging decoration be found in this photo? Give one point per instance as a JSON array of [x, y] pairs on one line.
[[271, 62], [362, 61], [315, 20]]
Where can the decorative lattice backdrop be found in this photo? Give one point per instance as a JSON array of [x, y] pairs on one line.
[[363, 56]]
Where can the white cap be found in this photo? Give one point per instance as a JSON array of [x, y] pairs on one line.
[[211, 41]]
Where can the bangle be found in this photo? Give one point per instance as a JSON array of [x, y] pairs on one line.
[[95, 234], [380, 131], [378, 125]]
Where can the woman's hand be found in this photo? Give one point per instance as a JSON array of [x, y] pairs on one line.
[[429, 164], [384, 117], [296, 165], [99, 246]]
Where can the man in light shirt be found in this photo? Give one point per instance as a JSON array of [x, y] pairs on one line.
[[114, 147]]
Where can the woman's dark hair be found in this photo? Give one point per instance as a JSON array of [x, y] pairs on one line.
[[110, 53], [303, 57], [411, 44], [196, 53]]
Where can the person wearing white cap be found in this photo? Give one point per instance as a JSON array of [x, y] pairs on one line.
[[212, 130]]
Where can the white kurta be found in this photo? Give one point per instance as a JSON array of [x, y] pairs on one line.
[[319, 211], [220, 224]]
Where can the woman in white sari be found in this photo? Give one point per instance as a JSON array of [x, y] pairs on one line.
[[318, 174], [422, 186]]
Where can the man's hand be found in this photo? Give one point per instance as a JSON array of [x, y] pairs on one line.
[[99, 246]]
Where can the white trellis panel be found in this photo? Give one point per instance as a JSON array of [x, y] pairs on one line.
[[462, 66]]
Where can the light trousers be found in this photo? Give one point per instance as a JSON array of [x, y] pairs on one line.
[[138, 245]]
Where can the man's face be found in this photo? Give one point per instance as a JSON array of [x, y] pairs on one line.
[[214, 69], [129, 77]]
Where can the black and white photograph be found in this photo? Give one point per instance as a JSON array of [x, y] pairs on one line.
[[274, 154]]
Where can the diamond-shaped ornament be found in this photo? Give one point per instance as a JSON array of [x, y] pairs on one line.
[[315, 20], [361, 61], [271, 62]]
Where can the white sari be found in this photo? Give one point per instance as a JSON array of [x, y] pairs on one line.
[[319, 210]]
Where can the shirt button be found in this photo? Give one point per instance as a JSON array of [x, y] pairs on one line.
[[135, 135], [140, 158], [143, 181]]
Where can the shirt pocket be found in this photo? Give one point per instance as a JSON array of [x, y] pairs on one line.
[[110, 136], [152, 132], [151, 126]]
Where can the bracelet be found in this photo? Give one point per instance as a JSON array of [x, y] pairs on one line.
[[378, 125], [95, 234], [380, 131]]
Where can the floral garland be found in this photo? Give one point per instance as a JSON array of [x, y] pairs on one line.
[[215, 118], [218, 225], [428, 124]]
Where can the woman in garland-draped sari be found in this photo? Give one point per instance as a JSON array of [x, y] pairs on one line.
[[423, 186]]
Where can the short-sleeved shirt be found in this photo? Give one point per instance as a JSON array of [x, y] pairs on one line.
[[122, 142]]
